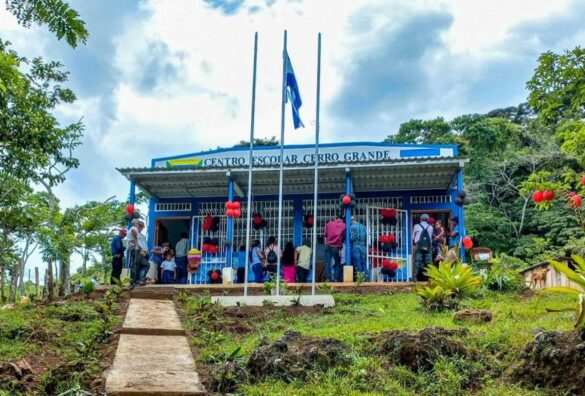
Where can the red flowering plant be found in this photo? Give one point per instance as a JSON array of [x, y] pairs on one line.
[[547, 190]]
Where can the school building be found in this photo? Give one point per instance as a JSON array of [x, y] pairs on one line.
[[189, 191]]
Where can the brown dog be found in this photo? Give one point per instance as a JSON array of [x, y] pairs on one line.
[[539, 277]]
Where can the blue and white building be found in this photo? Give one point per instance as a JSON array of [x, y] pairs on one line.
[[411, 178]]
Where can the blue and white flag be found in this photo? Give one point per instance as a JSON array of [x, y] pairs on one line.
[[292, 92]]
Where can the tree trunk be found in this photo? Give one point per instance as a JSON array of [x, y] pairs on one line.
[[49, 281], [64, 289], [2, 281], [21, 280], [14, 278]]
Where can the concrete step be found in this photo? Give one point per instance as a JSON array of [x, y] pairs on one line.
[[152, 317], [153, 365], [153, 293]]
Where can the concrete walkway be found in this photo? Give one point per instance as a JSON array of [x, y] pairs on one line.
[[153, 355]]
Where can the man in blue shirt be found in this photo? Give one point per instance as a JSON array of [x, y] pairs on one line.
[[358, 236], [117, 255]]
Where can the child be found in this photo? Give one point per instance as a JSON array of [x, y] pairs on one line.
[[169, 270], [154, 259]]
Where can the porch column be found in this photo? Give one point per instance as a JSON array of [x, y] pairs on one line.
[[131, 200], [347, 219], [230, 227], [462, 232], [298, 221]]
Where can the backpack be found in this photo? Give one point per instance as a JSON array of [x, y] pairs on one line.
[[271, 257], [424, 243]]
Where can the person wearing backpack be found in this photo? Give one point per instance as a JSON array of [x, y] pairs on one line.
[[271, 253], [423, 241]]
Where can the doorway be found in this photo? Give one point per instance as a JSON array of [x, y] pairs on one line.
[[442, 215], [170, 229]]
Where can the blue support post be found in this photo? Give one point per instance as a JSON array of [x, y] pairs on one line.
[[298, 221], [230, 227], [462, 232], [131, 200], [347, 220]]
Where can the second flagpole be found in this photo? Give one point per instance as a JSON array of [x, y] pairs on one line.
[[316, 180], [281, 173]]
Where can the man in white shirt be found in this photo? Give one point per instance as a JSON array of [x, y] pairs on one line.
[[423, 241], [138, 250], [181, 258]]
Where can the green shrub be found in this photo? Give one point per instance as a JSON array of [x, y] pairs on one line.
[[88, 287], [435, 298], [454, 277], [504, 280]]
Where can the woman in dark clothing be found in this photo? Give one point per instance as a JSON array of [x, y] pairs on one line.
[[288, 254]]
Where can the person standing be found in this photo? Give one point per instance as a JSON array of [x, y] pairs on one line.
[[181, 258], [271, 253], [334, 234], [257, 260], [303, 261], [138, 250], [359, 236], [439, 238], [320, 260], [423, 241], [118, 250], [288, 263]]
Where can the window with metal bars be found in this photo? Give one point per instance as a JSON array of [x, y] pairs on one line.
[[426, 199], [173, 207]]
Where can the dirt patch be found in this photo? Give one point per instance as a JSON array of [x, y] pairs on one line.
[[555, 360], [294, 356], [419, 351]]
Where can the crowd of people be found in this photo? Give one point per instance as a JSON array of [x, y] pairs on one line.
[[163, 264]]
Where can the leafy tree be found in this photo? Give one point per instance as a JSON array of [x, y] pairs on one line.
[[436, 131], [259, 142], [557, 88], [61, 19]]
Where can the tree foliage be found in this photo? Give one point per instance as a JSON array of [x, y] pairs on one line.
[[259, 142], [62, 20]]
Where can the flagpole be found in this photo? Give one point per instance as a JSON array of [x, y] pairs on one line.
[[281, 173], [250, 163], [316, 178]]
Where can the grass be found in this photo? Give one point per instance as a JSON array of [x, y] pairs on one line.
[[515, 322], [61, 340]]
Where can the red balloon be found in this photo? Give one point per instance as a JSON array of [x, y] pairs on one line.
[[130, 209], [214, 275], [213, 249], [228, 204], [583, 180], [205, 247], [237, 213], [230, 212], [391, 238], [548, 195], [385, 239], [346, 200], [236, 205], [538, 196], [467, 242], [575, 201]]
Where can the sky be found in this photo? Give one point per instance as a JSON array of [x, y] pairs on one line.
[[161, 78]]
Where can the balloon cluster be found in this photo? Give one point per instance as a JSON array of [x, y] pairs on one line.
[[347, 201], [210, 245], [211, 223], [131, 212], [233, 209], [308, 221], [388, 242], [388, 217], [390, 265], [462, 198], [258, 222]]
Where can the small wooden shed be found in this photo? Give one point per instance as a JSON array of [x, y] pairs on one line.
[[553, 277]]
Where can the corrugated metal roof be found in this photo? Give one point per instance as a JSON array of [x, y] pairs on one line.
[[421, 173]]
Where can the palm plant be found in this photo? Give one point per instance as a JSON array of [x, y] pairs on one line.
[[578, 277], [435, 298]]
